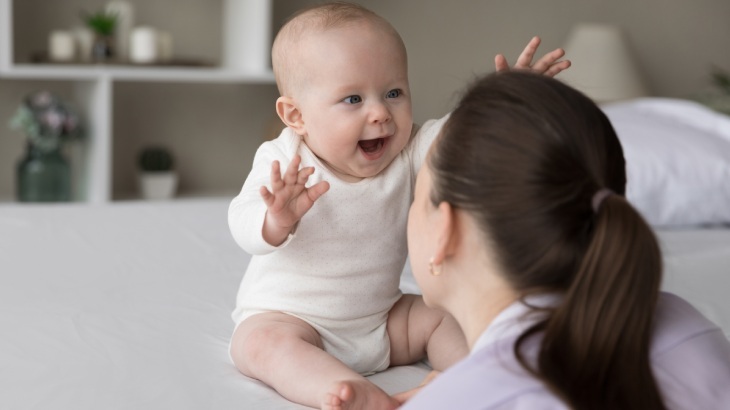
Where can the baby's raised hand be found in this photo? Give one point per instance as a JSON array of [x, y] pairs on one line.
[[550, 64], [288, 200]]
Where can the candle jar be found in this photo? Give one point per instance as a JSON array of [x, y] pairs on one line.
[[61, 46], [144, 46]]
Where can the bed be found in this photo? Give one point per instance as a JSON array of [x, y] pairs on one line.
[[127, 305]]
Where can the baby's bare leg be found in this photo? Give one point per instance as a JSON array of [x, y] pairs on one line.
[[417, 331], [287, 354]]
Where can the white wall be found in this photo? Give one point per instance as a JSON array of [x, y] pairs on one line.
[[676, 42], [216, 128]]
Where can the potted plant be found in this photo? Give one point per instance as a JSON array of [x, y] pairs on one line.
[[102, 23], [44, 175], [157, 177]]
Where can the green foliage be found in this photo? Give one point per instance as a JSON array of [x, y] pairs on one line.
[[721, 79], [101, 22], [155, 159]]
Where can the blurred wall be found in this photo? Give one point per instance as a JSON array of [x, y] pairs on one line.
[[216, 128], [675, 42]]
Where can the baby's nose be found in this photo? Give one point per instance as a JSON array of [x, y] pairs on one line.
[[380, 113]]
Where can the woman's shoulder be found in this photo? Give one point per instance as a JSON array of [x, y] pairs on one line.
[[690, 356], [677, 322], [490, 378]]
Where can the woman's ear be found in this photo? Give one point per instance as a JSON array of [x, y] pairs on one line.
[[447, 237], [289, 113]]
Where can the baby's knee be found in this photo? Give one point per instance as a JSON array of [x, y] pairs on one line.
[[257, 343]]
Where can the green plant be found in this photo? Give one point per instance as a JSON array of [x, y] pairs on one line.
[[101, 22], [155, 159], [721, 79]]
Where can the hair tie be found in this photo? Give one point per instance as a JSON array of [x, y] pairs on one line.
[[598, 198]]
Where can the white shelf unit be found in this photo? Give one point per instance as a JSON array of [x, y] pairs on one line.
[[247, 42]]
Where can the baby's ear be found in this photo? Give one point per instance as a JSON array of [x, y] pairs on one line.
[[289, 113]]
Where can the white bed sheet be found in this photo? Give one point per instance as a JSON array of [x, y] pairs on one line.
[[128, 306]]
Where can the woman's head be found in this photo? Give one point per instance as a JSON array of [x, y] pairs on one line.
[[524, 156]]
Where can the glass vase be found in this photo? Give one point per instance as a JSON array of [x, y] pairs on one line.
[[43, 176], [102, 51]]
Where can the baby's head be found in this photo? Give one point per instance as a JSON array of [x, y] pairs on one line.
[[299, 29], [342, 73]]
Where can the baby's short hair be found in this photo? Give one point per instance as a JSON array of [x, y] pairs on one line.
[[320, 17]]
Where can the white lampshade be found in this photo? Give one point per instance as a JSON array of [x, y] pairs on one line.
[[602, 64]]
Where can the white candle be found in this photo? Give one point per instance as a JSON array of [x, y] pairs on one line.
[[61, 46], [143, 45]]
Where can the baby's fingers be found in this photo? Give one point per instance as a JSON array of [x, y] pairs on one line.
[[267, 196], [548, 60], [524, 61], [292, 172], [500, 63], [317, 190], [276, 182], [556, 68], [304, 175]]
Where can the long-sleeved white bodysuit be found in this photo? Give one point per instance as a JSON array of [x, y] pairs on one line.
[[340, 270]]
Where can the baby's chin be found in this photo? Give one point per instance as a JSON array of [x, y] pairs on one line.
[[358, 175]]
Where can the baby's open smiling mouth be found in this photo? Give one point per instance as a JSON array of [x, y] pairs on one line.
[[371, 146]]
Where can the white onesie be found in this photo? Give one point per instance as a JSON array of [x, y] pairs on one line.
[[340, 270]]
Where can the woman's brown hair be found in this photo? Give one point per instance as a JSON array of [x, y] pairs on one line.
[[525, 155]]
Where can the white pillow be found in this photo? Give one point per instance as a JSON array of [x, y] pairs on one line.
[[677, 160]]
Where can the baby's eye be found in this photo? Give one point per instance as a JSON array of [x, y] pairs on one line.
[[353, 99], [394, 93]]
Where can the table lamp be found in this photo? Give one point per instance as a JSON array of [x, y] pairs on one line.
[[602, 64]]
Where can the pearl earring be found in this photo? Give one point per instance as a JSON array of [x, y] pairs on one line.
[[435, 268]]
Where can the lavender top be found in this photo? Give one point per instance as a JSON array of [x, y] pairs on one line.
[[690, 357]]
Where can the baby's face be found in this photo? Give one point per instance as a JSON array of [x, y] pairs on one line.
[[355, 100]]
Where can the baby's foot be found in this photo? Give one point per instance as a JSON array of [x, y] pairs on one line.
[[357, 395]]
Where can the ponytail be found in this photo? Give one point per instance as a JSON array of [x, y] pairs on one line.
[[527, 156], [595, 347]]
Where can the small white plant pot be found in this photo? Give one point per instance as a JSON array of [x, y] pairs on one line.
[[158, 185]]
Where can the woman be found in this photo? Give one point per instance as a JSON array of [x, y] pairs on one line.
[[520, 230]]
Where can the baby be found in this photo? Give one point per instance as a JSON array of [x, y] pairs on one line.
[[319, 307]]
